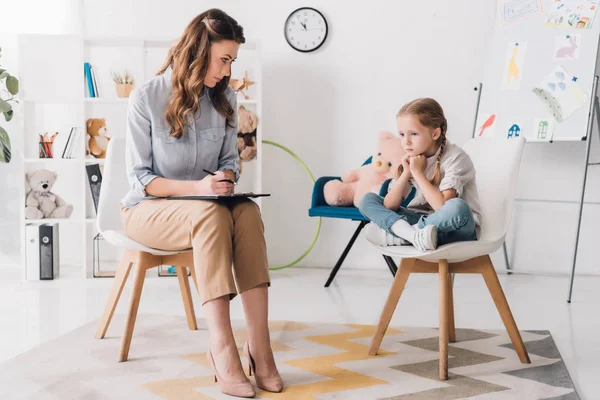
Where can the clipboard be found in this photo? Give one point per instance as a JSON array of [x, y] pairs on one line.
[[248, 195]]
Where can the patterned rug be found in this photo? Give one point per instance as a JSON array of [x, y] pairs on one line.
[[316, 361]]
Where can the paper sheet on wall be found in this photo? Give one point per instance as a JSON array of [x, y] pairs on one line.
[[572, 13], [512, 11], [566, 47], [543, 129], [513, 65], [560, 93], [514, 130], [486, 126]]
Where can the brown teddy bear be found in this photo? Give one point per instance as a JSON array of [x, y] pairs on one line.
[[246, 135], [98, 141]]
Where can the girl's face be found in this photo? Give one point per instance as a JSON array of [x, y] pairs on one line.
[[222, 54], [417, 139]]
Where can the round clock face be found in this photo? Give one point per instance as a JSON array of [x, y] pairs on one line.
[[305, 29]]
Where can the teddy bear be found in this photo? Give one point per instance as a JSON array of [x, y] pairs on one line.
[[368, 178], [246, 135], [41, 202], [98, 141]]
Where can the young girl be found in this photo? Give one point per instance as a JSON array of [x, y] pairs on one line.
[[446, 207]]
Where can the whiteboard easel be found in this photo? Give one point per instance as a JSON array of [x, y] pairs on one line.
[[594, 111], [542, 71]]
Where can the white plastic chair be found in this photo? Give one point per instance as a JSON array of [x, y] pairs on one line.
[[497, 164], [114, 188]]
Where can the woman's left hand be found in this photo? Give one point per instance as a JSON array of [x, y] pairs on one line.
[[417, 164]]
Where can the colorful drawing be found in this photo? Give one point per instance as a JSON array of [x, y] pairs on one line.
[[513, 70], [487, 125], [560, 93], [567, 47], [517, 10], [572, 13], [543, 128], [514, 131]]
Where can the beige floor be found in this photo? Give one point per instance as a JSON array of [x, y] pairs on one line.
[[34, 312]]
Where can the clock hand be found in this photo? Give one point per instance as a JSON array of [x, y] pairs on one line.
[[303, 25]]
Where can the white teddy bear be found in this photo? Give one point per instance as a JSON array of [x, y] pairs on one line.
[[41, 202]]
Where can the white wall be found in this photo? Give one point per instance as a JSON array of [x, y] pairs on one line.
[[328, 107]]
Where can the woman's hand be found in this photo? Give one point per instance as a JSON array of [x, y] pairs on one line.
[[417, 164], [213, 184]]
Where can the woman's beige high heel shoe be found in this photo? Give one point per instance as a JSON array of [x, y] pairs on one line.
[[239, 389], [272, 384]]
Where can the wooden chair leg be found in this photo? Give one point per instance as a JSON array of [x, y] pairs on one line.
[[391, 303], [444, 314], [186, 295], [493, 284], [134, 302], [194, 279], [115, 293], [451, 326]]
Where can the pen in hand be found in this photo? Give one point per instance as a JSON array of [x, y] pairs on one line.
[[222, 180]]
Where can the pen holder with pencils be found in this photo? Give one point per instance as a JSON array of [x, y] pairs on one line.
[[45, 150], [46, 145]]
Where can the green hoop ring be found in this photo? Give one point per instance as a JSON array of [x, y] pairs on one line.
[[312, 179]]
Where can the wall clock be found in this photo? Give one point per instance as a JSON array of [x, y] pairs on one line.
[[305, 29]]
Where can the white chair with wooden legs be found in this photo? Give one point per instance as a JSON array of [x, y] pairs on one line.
[[497, 164], [136, 255]]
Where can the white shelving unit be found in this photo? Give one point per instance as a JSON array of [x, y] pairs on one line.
[[54, 97]]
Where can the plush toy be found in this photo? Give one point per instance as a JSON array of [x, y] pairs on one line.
[[368, 178], [98, 141], [41, 202], [246, 135]]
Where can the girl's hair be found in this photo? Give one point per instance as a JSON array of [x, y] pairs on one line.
[[430, 114], [189, 59]]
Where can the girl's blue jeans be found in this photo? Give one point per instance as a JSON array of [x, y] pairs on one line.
[[454, 221]]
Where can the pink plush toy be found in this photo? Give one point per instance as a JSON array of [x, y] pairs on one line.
[[367, 178]]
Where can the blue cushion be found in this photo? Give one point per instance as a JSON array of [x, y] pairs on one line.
[[337, 212]]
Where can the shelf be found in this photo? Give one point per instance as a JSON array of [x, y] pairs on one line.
[[159, 42], [113, 41], [100, 161], [51, 160], [50, 220], [63, 103], [51, 101], [105, 100]]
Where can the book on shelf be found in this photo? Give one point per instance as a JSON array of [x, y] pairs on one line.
[[71, 144], [94, 84], [88, 77]]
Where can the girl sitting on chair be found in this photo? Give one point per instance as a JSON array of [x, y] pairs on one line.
[[446, 207]]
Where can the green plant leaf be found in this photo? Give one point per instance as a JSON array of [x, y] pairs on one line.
[[4, 75], [4, 146], [12, 84], [8, 115], [4, 106], [2, 70]]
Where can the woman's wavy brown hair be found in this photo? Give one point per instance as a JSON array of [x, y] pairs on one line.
[[430, 114], [189, 58]]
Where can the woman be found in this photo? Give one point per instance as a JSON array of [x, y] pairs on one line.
[[179, 124]]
